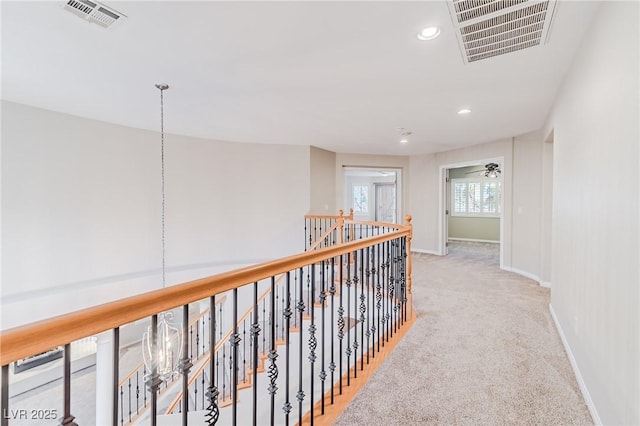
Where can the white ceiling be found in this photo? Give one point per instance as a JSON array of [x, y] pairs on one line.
[[338, 75]]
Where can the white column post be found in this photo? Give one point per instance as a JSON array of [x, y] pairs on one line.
[[104, 378]]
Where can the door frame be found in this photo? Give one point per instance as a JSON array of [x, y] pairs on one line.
[[399, 188], [443, 202]]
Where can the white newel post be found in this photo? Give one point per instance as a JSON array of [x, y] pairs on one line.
[[104, 378]]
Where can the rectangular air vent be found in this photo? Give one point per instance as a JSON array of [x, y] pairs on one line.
[[488, 28], [95, 12]]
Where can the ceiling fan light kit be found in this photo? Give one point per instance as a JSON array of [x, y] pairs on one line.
[[491, 170]]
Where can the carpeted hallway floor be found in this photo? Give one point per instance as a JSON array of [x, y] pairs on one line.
[[483, 351]]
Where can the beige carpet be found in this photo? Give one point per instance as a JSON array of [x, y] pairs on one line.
[[483, 351]]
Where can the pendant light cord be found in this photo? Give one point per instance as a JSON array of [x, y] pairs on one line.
[[162, 88]]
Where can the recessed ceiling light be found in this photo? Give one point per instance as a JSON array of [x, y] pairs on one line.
[[464, 111], [404, 140], [429, 33]]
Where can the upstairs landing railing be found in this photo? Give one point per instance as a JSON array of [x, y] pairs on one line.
[[349, 299]]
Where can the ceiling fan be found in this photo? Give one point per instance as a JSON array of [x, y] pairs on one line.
[[491, 170]]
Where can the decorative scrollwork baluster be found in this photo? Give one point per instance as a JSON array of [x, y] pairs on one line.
[[356, 280], [313, 341], [301, 308], [287, 318], [340, 324], [255, 332]]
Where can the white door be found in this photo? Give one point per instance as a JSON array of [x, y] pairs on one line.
[[385, 202]]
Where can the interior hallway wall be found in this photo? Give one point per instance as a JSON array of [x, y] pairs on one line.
[[595, 269], [323, 181], [81, 209]]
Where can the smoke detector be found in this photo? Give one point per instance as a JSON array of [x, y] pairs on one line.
[[95, 12], [488, 28]]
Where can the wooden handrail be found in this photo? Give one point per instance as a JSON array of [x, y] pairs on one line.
[[23, 341]]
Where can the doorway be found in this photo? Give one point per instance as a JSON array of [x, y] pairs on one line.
[[373, 193], [471, 205]]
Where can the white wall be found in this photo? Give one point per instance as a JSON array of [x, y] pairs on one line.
[[526, 215], [323, 181], [81, 209], [595, 273]]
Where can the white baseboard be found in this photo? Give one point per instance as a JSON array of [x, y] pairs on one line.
[[523, 273], [545, 284], [425, 251], [574, 365], [474, 240]]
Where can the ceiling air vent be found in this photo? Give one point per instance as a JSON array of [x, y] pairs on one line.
[[95, 12], [488, 28]]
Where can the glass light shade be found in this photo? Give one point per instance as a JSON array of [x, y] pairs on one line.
[[168, 351]]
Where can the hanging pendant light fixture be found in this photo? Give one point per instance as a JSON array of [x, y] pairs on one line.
[[162, 356]]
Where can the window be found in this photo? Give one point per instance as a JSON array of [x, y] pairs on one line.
[[360, 199], [475, 197]]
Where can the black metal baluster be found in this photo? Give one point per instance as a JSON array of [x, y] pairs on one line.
[[204, 333], [379, 276], [255, 331], [185, 365], [121, 405], [363, 308], [191, 341], [385, 290], [274, 314], [129, 387], [340, 324], [137, 392], [348, 325], [4, 398], [308, 293], [224, 376], [287, 317], [244, 351], [332, 292], [144, 374], [213, 411], [203, 381], [394, 266], [67, 420], [367, 304], [282, 320], [313, 341], [234, 342], [323, 298], [264, 327], [355, 312], [195, 396], [305, 235], [114, 379], [403, 275], [197, 340], [300, 394], [273, 354]]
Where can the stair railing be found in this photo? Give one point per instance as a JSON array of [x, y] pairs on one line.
[[351, 297]]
